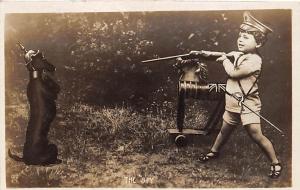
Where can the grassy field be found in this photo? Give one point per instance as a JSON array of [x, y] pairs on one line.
[[122, 147]]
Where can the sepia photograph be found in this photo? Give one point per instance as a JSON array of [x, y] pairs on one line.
[[139, 98]]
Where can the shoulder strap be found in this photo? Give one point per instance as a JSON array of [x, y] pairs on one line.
[[240, 85], [249, 91]]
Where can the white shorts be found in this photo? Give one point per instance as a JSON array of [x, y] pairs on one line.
[[233, 118]]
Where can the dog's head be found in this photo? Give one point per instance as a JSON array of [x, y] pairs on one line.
[[36, 61]]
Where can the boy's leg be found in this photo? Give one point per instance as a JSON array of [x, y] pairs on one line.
[[254, 131], [223, 136], [230, 120]]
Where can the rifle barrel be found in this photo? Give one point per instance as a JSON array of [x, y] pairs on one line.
[[165, 58], [213, 53], [204, 54]]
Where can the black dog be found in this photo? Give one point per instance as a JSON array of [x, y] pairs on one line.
[[42, 92]]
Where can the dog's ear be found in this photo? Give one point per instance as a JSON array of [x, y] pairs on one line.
[[48, 66], [40, 63]]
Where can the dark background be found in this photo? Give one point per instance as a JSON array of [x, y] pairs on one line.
[[98, 55]]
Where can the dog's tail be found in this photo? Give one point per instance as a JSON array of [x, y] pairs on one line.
[[15, 157]]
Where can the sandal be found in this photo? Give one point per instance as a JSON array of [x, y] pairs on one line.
[[275, 171], [208, 156]]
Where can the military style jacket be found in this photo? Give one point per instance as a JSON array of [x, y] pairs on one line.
[[243, 76]]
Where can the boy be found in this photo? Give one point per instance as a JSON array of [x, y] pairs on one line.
[[243, 76]]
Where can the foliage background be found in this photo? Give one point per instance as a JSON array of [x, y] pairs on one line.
[[98, 56]]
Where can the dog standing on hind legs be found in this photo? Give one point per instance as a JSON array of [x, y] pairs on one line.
[[42, 93]]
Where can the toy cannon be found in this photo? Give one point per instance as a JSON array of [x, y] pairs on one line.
[[193, 83]]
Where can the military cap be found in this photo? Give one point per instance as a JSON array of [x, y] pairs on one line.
[[251, 24]]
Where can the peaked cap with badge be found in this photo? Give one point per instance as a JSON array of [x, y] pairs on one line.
[[251, 24]]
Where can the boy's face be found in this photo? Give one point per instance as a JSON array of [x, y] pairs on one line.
[[246, 42]]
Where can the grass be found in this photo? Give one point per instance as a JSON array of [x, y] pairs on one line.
[[124, 147]]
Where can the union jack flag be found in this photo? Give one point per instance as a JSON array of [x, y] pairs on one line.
[[217, 87]]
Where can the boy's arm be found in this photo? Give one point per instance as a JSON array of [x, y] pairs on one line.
[[246, 68]]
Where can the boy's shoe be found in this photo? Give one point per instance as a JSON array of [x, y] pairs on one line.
[[208, 156], [275, 171]]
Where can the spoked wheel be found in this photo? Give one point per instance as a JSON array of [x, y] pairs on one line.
[[181, 140]]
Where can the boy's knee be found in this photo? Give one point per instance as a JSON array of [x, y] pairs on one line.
[[257, 137], [226, 128], [223, 131], [255, 132]]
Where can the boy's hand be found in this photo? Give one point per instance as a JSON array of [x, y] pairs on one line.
[[195, 53], [221, 59], [235, 54]]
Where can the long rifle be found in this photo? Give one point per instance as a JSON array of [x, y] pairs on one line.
[[200, 54]]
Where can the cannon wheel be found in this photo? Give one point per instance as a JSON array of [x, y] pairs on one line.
[[180, 140]]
